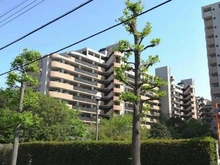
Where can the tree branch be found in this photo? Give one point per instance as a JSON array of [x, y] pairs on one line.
[[148, 46], [149, 88], [128, 84], [129, 62], [141, 40]]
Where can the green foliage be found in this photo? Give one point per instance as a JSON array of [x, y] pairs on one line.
[[179, 129], [58, 121], [148, 84], [43, 118], [159, 131], [23, 68], [116, 128], [195, 128], [10, 119], [155, 152]]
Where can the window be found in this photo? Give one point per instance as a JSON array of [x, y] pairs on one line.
[[213, 17], [219, 5], [216, 36], [218, 55], [215, 27], [216, 45], [213, 9]]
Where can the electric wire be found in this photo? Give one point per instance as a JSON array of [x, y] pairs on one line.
[[91, 36], [43, 26], [20, 11], [13, 8]]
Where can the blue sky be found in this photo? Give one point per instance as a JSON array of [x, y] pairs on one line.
[[179, 24]]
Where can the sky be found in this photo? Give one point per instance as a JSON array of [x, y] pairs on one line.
[[178, 24]]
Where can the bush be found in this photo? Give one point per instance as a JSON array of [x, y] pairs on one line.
[[154, 152]]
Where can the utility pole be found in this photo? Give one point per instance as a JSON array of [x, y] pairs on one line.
[[17, 129]]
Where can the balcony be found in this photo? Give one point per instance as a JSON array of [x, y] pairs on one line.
[[57, 56], [90, 74], [215, 90], [209, 32], [82, 99], [117, 108], [108, 96], [61, 75], [110, 103], [212, 60], [55, 64], [117, 53], [209, 23], [88, 119], [210, 41], [87, 64], [213, 70], [59, 95], [154, 107], [116, 81], [60, 85], [91, 92], [214, 80], [211, 50], [117, 65], [85, 81], [207, 14], [117, 90]]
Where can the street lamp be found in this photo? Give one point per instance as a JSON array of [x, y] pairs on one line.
[[98, 97]]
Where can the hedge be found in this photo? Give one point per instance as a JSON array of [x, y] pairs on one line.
[[5, 154], [154, 152]]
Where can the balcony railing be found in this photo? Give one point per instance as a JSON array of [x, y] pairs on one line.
[[85, 81], [87, 64], [86, 72]]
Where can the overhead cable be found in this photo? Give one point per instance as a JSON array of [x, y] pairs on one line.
[[13, 8], [43, 26], [91, 36]]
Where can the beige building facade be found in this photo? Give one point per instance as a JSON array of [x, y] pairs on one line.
[[211, 17], [180, 99], [76, 76]]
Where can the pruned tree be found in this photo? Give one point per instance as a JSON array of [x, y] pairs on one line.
[[21, 76], [144, 84]]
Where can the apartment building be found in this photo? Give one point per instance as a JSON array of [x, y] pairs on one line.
[[76, 76], [204, 110], [211, 17], [180, 99]]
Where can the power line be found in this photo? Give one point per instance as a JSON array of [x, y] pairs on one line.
[[54, 20], [5, 13], [22, 13], [91, 36], [19, 11]]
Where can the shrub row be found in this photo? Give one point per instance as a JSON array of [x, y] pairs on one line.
[[154, 152]]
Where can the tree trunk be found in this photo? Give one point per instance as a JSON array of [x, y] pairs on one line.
[[17, 129], [15, 145], [136, 144]]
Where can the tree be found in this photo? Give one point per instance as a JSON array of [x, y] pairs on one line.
[[144, 84], [58, 122], [116, 128], [23, 70], [195, 128], [159, 131]]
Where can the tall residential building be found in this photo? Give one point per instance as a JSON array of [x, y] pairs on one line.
[[210, 14], [180, 99], [75, 77], [204, 110]]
